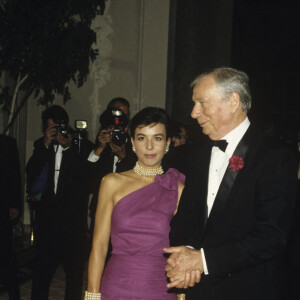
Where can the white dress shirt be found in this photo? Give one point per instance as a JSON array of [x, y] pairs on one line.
[[219, 161], [58, 157], [93, 158]]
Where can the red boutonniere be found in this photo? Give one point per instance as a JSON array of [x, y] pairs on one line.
[[236, 163]]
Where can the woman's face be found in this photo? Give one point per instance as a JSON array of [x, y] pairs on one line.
[[150, 143]]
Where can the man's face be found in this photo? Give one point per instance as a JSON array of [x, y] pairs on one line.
[[211, 110], [181, 139]]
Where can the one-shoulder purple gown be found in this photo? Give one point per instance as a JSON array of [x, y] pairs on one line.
[[140, 227]]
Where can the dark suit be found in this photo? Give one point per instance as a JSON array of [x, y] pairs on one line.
[[246, 232], [177, 157], [60, 218], [293, 256], [10, 195]]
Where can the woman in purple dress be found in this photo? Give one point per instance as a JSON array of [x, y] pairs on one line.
[[134, 209]]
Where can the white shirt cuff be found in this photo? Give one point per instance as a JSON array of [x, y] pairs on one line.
[[204, 262], [93, 157]]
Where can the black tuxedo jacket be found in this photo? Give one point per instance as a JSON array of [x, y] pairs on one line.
[[10, 179], [244, 237], [64, 212]]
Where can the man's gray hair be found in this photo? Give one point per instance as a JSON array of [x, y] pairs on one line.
[[230, 80]]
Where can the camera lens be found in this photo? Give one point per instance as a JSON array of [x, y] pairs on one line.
[[63, 129], [118, 137]]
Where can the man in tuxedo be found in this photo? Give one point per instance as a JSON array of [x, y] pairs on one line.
[[10, 201], [62, 209], [236, 209]]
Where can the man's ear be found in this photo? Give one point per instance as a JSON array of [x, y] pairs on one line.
[[235, 102]]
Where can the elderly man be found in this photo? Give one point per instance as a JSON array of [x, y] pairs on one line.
[[237, 205]]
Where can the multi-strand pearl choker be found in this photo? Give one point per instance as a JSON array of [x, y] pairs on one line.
[[147, 171]]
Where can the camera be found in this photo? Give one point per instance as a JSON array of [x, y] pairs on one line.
[[114, 117], [118, 135], [80, 130], [81, 125], [79, 133], [63, 129]]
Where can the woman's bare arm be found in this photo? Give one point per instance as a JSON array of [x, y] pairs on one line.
[[101, 233], [180, 189]]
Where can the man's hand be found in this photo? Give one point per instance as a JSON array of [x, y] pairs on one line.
[[118, 150], [184, 267], [50, 135], [65, 142], [103, 137], [13, 213]]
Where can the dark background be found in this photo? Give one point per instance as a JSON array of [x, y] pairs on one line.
[[260, 37]]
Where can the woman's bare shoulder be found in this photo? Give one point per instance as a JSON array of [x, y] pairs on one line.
[[109, 180], [112, 179]]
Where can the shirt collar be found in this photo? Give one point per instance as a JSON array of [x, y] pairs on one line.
[[235, 135]]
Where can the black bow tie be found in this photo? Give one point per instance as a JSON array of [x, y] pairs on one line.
[[221, 144]]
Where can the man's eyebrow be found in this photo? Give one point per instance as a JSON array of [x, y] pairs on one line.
[[196, 99]]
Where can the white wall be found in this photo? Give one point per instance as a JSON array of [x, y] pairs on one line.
[[132, 41]]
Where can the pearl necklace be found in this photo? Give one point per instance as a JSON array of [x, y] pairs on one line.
[[147, 171]]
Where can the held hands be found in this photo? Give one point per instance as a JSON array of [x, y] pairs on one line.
[[184, 267]]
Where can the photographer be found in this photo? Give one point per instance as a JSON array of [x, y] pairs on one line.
[[112, 153], [59, 190]]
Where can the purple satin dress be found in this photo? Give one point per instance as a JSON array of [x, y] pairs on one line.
[[140, 227]]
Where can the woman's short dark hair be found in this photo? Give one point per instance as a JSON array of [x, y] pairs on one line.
[[147, 116], [56, 113]]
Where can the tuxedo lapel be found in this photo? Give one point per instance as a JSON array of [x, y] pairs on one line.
[[201, 180], [230, 177], [52, 153]]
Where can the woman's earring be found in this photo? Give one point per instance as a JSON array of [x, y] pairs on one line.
[[167, 150], [133, 149]]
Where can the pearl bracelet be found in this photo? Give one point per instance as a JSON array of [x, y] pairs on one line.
[[92, 296]]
